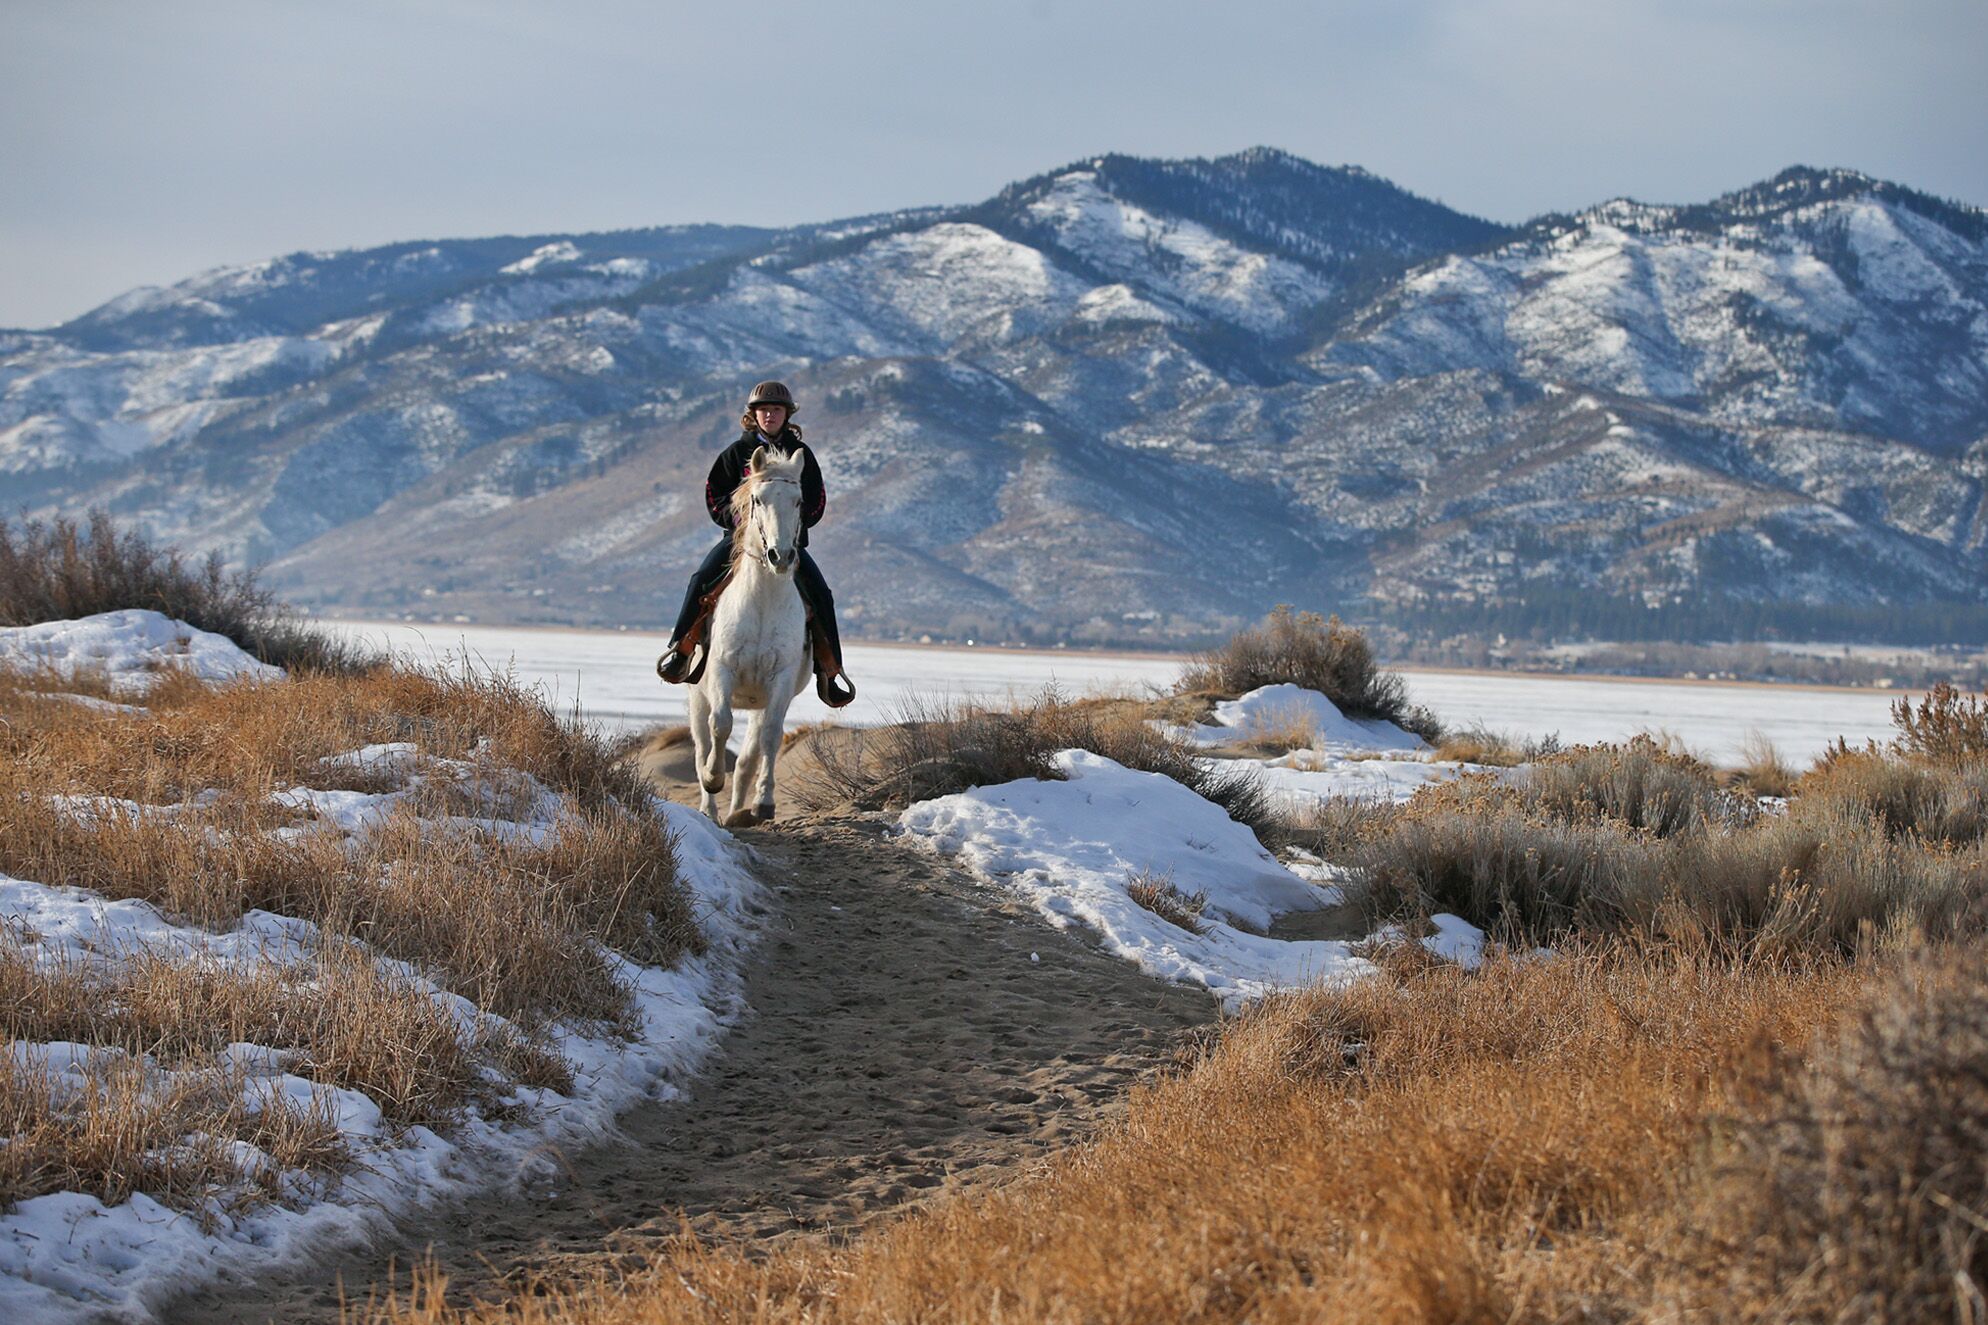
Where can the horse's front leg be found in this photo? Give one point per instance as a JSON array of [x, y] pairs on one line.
[[770, 728], [745, 774], [700, 746], [711, 766]]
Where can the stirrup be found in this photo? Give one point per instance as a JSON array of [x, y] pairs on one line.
[[836, 694], [677, 666]]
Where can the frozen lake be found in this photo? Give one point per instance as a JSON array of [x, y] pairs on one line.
[[611, 676]]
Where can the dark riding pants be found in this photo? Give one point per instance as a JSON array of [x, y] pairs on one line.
[[807, 578]]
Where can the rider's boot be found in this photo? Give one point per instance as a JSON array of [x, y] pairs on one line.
[[674, 665], [831, 686]]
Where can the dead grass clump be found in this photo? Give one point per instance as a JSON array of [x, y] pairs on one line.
[[1936, 801], [495, 917], [1805, 882], [1637, 840], [1856, 1189], [193, 1141], [938, 748], [1644, 784], [60, 571], [1432, 1145], [1158, 894], [1812, 883], [1762, 771], [471, 869], [935, 748], [1318, 653], [1525, 876], [513, 925], [252, 738], [1478, 744], [339, 1019]]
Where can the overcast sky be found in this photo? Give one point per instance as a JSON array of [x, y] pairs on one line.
[[143, 142]]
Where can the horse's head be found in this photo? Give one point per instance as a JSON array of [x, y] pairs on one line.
[[766, 511]]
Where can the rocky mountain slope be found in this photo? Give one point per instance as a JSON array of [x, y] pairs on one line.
[[1125, 399]]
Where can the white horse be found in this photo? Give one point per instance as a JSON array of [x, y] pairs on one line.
[[756, 650]]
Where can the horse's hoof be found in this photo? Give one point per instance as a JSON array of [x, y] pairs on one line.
[[713, 785], [741, 819]]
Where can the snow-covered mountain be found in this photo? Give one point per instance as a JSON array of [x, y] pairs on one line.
[[1125, 397]]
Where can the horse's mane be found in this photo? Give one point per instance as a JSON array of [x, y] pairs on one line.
[[741, 500]]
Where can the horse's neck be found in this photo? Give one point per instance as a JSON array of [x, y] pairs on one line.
[[758, 587]]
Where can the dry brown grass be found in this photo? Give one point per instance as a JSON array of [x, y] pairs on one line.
[[172, 804], [1762, 770], [1427, 1145], [1855, 1190], [1158, 894], [125, 1128], [1641, 840], [336, 1015], [1478, 744], [1935, 801], [509, 924], [1318, 653], [938, 748], [60, 571], [1644, 784]]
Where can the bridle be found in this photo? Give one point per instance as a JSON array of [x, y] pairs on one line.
[[758, 483]]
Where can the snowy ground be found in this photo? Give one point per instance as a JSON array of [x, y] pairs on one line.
[[1303, 716], [611, 676], [1074, 850], [1077, 850], [68, 1257], [129, 649]]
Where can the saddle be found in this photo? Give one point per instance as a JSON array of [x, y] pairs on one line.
[[831, 686]]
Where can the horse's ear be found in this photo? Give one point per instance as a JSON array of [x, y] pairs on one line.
[[758, 461]]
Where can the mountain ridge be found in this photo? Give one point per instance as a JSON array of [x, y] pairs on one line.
[[1177, 391]]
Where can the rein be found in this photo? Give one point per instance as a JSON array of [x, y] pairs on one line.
[[759, 482]]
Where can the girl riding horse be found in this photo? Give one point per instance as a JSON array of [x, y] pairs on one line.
[[768, 422]]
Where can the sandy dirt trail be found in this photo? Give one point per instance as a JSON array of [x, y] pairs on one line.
[[911, 1031]]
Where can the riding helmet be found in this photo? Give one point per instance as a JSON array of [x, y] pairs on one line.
[[773, 393]]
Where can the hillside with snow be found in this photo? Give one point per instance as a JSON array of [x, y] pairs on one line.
[[1124, 399]]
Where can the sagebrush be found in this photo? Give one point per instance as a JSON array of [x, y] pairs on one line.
[[59, 570], [1315, 652]]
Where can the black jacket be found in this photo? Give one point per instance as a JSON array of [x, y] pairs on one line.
[[735, 462]]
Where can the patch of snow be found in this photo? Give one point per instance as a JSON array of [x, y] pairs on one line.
[[546, 254], [934, 287], [1305, 779], [1182, 260], [90, 702], [1072, 849], [1285, 708], [133, 648], [1455, 939], [1120, 303]]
